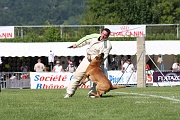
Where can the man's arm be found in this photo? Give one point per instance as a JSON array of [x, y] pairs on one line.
[[85, 40], [87, 37]]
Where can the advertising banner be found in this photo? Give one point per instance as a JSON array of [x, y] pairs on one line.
[[6, 32], [127, 30], [50, 80], [166, 78], [117, 77]]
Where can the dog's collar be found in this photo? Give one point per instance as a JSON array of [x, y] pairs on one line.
[[102, 40]]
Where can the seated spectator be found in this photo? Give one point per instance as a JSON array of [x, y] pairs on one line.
[[71, 68], [176, 65], [24, 68], [147, 67], [58, 67], [113, 64], [128, 67]]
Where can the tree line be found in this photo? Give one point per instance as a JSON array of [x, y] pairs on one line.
[[88, 12], [132, 12], [38, 12]]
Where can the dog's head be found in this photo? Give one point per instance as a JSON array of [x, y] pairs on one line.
[[98, 59]]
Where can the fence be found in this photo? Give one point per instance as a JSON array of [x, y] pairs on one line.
[[14, 80], [71, 33], [21, 80]]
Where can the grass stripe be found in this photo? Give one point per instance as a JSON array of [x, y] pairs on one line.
[[155, 96]]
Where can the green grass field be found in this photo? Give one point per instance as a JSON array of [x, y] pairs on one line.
[[150, 103]]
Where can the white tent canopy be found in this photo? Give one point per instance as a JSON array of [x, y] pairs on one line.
[[60, 48]]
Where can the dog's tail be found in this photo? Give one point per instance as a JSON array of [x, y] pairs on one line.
[[117, 87]]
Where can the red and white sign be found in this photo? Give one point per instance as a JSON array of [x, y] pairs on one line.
[[6, 32], [127, 30], [50, 80]]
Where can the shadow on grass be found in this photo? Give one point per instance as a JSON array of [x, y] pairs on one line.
[[111, 96]]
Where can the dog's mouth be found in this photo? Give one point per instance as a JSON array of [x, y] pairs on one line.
[[100, 57], [102, 54]]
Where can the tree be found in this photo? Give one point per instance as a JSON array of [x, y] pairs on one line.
[[36, 12], [131, 12], [167, 12]]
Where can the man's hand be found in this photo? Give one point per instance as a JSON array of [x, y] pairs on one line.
[[89, 57], [72, 46]]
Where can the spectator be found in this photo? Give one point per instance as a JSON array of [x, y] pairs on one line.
[[176, 65], [39, 67], [71, 68], [128, 67], [114, 63], [58, 67], [79, 60], [147, 67], [24, 68], [0, 60], [51, 58]]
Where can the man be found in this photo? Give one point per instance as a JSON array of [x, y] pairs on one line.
[[176, 66], [24, 68], [51, 58], [39, 67], [0, 60], [58, 67], [128, 67], [97, 44], [71, 68]]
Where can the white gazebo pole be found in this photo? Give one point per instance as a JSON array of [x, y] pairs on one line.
[[0, 60], [141, 62], [1, 73]]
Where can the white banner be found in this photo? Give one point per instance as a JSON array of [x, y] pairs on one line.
[[50, 80], [127, 30], [117, 77], [6, 32]]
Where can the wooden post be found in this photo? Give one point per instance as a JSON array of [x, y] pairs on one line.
[[141, 62]]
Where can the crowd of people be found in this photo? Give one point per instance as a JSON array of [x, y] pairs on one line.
[[58, 67], [125, 66], [115, 62]]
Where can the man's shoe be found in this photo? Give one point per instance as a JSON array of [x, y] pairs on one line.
[[90, 95], [67, 95]]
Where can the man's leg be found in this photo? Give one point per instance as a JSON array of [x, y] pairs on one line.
[[78, 75], [92, 89]]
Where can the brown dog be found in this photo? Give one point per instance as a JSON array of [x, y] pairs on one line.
[[94, 73]]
